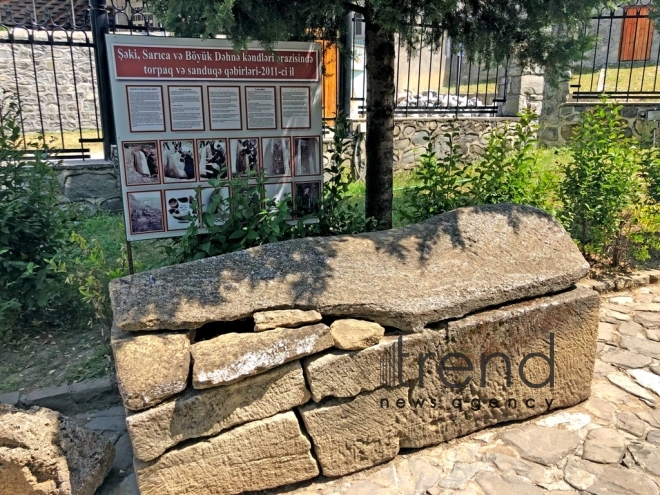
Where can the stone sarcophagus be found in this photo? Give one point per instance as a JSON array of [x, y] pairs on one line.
[[328, 355]]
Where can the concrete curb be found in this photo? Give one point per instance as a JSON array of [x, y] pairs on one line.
[[70, 399]]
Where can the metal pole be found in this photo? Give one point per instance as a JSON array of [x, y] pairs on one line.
[[346, 65], [100, 27], [129, 256]]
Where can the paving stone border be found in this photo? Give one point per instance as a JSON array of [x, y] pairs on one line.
[[69, 399], [622, 282]]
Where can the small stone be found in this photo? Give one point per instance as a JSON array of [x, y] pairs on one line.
[[600, 408], [493, 484], [630, 423], [546, 446], [618, 308], [648, 319], [462, 472], [653, 335], [646, 379], [353, 335], [651, 416], [655, 368], [288, 318], [617, 315], [625, 383], [652, 307], [417, 475], [642, 346], [653, 437], [647, 456], [606, 331], [43, 452], [510, 465], [233, 356], [630, 328], [622, 300], [604, 479], [605, 446], [626, 359]]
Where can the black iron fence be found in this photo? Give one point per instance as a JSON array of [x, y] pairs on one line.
[[624, 62], [48, 64], [431, 80]]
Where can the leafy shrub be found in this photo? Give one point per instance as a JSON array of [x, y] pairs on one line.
[[440, 184], [87, 268], [602, 185], [508, 171], [32, 225]]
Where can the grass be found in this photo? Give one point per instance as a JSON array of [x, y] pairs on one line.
[[634, 76], [68, 140]]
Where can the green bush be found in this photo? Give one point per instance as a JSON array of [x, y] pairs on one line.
[[508, 171], [439, 184], [32, 225], [602, 185]]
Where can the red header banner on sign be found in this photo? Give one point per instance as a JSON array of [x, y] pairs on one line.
[[164, 62]]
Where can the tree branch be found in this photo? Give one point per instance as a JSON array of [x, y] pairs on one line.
[[355, 8]]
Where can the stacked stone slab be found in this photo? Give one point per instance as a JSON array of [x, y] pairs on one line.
[[331, 354]]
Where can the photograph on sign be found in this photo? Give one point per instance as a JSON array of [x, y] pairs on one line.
[[307, 198], [145, 108], [186, 108], [260, 102], [276, 156], [295, 109], [141, 162], [178, 158], [279, 192], [245, 197], [221, 211], [179, 206], [146, 212], [225, 108], [307, 159], [244, 156], [212, 158]]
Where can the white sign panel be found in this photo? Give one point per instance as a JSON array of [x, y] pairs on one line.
[[188, 111]]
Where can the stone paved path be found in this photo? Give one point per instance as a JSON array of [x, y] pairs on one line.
[[605, 446]]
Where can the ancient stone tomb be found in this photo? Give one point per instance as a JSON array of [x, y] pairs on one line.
[[270, 366]]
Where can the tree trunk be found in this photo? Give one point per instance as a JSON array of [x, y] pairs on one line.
[[379, 48]]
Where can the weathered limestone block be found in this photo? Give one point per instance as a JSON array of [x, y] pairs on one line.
[[233, 356], [150, 368], [205, 413], [356, 433], [350, 334], [286, 318], [45, 453], [255, 456], [448, 266]]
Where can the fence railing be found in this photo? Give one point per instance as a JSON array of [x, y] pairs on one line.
[[48, 65], [432, 80], [624, 62]]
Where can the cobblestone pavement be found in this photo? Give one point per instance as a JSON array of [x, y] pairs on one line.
[[607, 445]]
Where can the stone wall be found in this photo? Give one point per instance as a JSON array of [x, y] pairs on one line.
[[409, 134], [65, 74], [273, 365], [557, 127], [93, 184]]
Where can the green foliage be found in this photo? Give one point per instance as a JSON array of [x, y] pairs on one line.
[[508, 171], [602, 184], [87, 268], [440, 184], [244, 219], [32, 225], [547, 32], [340, 214]]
